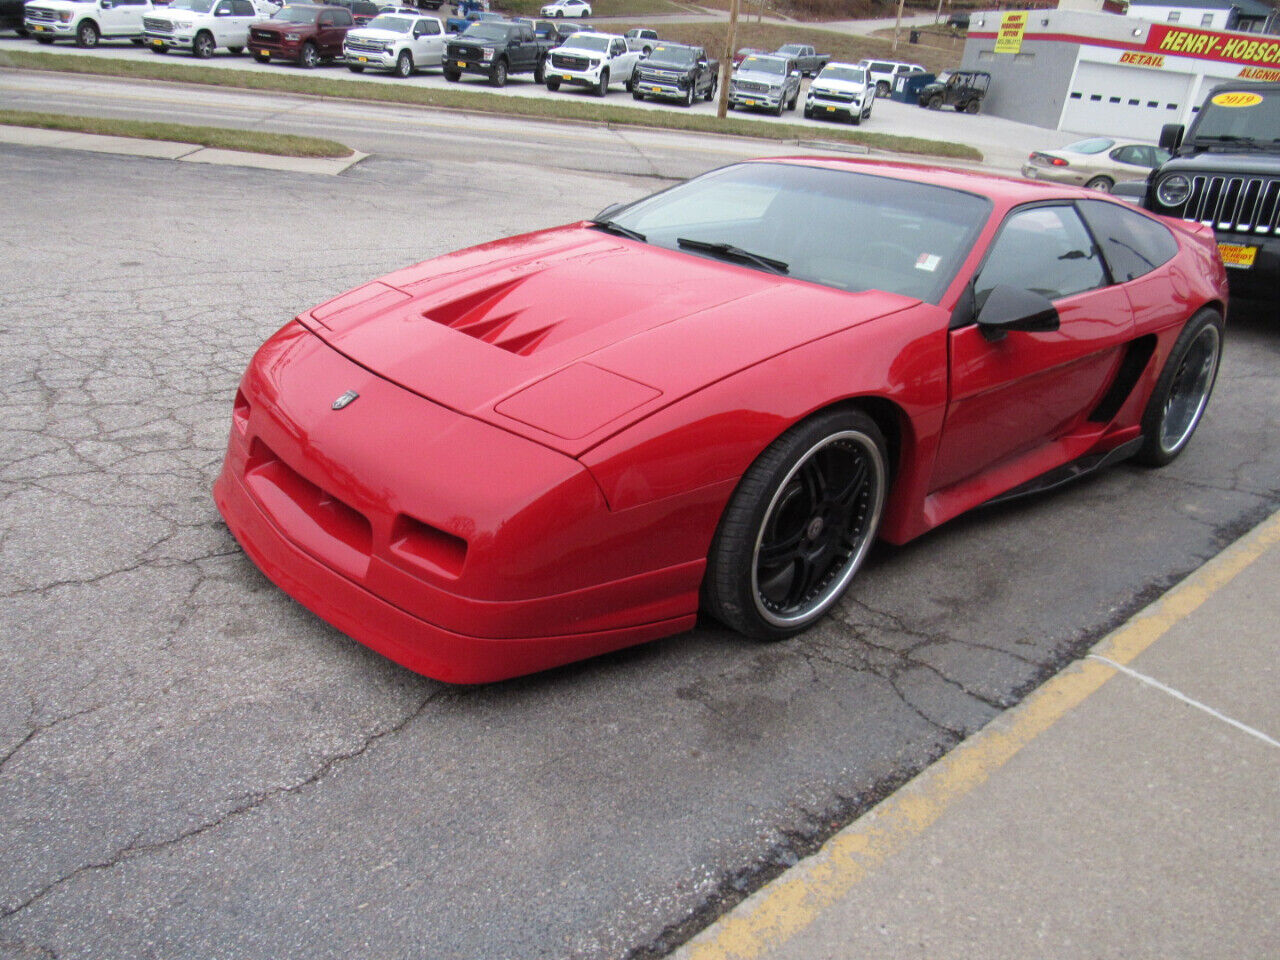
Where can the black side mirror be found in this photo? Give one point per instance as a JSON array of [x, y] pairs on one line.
[[1171, 136], [1011, 308]]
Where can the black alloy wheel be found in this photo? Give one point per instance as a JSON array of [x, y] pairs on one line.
[[1182, 393], [799, 525]]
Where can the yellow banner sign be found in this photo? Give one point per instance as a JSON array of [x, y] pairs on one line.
[[1012, 27]]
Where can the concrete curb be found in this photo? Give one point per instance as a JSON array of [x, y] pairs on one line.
[[169, 150]]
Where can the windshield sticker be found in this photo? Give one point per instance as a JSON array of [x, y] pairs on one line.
[[928, 262], [1238, 98]]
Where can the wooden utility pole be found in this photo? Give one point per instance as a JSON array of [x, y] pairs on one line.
[[897, 27], [726, 62]]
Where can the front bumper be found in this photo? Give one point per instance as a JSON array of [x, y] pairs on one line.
[[756, 101], [576, 78], [1259, 280], [837, 109], [46, 28], [482, 67], [384, 60], [369, 541], [667, 89], [170, 40], [288, 49]]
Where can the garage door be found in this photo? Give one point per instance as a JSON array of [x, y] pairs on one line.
[[1106, 98]]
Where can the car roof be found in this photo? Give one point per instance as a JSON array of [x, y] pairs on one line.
[[1006, 189]]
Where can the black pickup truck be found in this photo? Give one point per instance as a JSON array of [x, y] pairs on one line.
[[497, 49], [1226, 172], [674, 71]]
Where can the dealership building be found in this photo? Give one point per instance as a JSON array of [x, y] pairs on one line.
[[1099, 73]]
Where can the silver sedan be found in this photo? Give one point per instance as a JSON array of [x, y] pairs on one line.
[[1098, 163]]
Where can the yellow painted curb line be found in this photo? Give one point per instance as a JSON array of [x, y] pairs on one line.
[[776, 913]]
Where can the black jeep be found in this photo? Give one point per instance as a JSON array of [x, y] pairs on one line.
[[1226, 173]]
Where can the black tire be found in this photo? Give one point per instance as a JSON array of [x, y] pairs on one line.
[[404, 65], [798, 526], [1182, 392], [159, 48], [808, 113], [882, 88], [794, 100], [782, 105], [235, 51], [553, 84], [971, 106], [355, 68], [453, 76], [856, 118], [540, 70], [711, 91], [202, 46], [262, 57], [637, 95], [308, 56], [631, 82], [602, 86], [137, 41], [688, 97], [87, 34], [935, 102], [1101, 183], [45, 40], [498, 74], [21, 31]]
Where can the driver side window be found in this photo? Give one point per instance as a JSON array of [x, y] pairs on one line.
[[1046, 250]]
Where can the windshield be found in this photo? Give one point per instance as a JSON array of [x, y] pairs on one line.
[[195, 6], [1092, 145], [851, 74], [839, 228], [676, 56], [1240, 114], [297, 15], [486, 31], [393, 24], [590, 43], [764, 65]]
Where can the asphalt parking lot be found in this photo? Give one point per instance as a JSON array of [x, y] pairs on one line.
[[192, 765]]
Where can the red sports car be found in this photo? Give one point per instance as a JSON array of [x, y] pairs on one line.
[[717, 397]]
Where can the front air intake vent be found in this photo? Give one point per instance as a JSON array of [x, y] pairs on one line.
[[482, 315]]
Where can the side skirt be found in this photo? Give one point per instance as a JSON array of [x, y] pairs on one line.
[[1069, 472]]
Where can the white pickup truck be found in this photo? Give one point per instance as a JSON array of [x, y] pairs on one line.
[[398, 41], [86, 21], [592, 60], [203, 26]]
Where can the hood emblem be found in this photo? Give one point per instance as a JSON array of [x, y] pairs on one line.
[[345, 400]]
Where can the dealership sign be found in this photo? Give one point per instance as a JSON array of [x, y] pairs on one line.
[[1012, 28], [1207, 45]]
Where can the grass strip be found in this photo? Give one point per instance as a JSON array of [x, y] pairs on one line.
[[247, 141], [552, 109]]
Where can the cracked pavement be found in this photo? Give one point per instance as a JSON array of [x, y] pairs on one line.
[[192, 765]]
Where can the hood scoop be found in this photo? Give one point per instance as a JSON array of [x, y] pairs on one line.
[[488, 315]]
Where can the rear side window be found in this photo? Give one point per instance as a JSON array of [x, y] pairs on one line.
[[1043, 249], [1134, 245]]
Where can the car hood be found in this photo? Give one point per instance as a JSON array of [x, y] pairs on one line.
[[759, 76], [1225, 160], [568, 335]]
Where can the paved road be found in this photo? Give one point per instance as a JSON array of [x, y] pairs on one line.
[[191, 765], [446, 134]]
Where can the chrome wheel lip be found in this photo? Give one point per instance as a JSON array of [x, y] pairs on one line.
[[815, 608], [1188, 401]]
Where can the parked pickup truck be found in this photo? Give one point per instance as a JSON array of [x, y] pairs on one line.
[[203, 26], [302, 32], [86, 21], [399, 42], [765, 82], [674, 71], [809, 60], [841, 91], [592, 60], [641, 38], [496, 49]]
